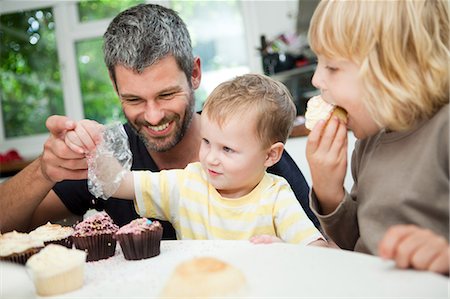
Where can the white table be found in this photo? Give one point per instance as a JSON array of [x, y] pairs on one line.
[[272, 271]]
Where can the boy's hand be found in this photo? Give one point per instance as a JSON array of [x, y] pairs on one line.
[[326, 152], [264, 239], [413, 247], [84, 137]]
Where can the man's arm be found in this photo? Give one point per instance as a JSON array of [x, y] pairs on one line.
[[26, 199]]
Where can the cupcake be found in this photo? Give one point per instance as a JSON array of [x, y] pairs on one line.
[[57, 270], [95, 236], [18, 247], [205, 277], [140, 239], [317, 109], [54, 234]]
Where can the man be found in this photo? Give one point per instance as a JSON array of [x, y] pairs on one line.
[[148, 54]]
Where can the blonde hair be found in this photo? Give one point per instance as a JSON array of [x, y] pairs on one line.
[[402, 48], [267, 99]]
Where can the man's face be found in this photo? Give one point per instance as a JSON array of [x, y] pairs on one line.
[[158, 103]]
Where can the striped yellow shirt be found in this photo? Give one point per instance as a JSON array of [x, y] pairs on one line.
[[198, 212]]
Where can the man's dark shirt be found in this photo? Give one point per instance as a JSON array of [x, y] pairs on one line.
[[77, 198]]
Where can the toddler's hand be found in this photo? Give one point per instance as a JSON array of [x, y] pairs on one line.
[[415, 247], [264, 239]]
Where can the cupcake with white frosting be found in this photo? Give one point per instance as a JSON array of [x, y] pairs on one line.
[[54, 234], [318, 109], [57, 270], [18, 247]]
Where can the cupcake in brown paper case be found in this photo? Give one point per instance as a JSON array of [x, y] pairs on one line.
[[95, 236], [140, 239], [18, 247], [54, 234]]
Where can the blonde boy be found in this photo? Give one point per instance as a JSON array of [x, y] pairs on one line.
[[387, 64]]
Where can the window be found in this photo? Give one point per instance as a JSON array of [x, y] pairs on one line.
[[220, 45], [89, 10], [28, 55], [52, 63], [100, 101]]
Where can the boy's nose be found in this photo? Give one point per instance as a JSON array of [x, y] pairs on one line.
[[316, 80]]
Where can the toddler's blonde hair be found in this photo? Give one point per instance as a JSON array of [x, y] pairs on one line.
[[267, 100], [402, 48]]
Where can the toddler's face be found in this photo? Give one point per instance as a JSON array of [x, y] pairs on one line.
[[339, 84], [232, 155]]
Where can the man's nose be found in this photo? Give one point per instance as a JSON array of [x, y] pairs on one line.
[[153, 112]]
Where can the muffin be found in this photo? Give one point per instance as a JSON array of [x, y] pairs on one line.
[[205, 277], [317, 109], [18, 247], [140, 239], [53, 234], [57, 270], [95, 236]]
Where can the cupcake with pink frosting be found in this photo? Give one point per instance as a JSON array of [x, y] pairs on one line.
[[95, 236], [140, 239]]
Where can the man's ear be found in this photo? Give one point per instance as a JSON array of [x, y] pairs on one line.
[[274, 154], [196, 77]]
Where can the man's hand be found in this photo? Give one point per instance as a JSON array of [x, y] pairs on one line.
[[58, 161], [85, 137]]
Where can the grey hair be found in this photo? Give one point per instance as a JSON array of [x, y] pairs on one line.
[[144, 34]]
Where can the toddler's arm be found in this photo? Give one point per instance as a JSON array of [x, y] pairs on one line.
[[85, 138], [415, 247]]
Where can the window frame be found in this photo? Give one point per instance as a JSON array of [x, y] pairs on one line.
[[69, 30]]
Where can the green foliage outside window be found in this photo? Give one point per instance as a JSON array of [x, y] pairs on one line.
[[100, 102], [30, 81], [89, 10]]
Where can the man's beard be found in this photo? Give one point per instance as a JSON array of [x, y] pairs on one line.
[[180, 130]]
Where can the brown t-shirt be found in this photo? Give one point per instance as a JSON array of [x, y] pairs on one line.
[[400, 178]]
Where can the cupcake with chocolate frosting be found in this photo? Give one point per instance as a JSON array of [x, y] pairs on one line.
[[140, 239], [95, 236]]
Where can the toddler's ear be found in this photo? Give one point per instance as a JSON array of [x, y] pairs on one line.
[[274, 154]]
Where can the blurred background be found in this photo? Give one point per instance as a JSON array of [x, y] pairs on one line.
[[51, 58]]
